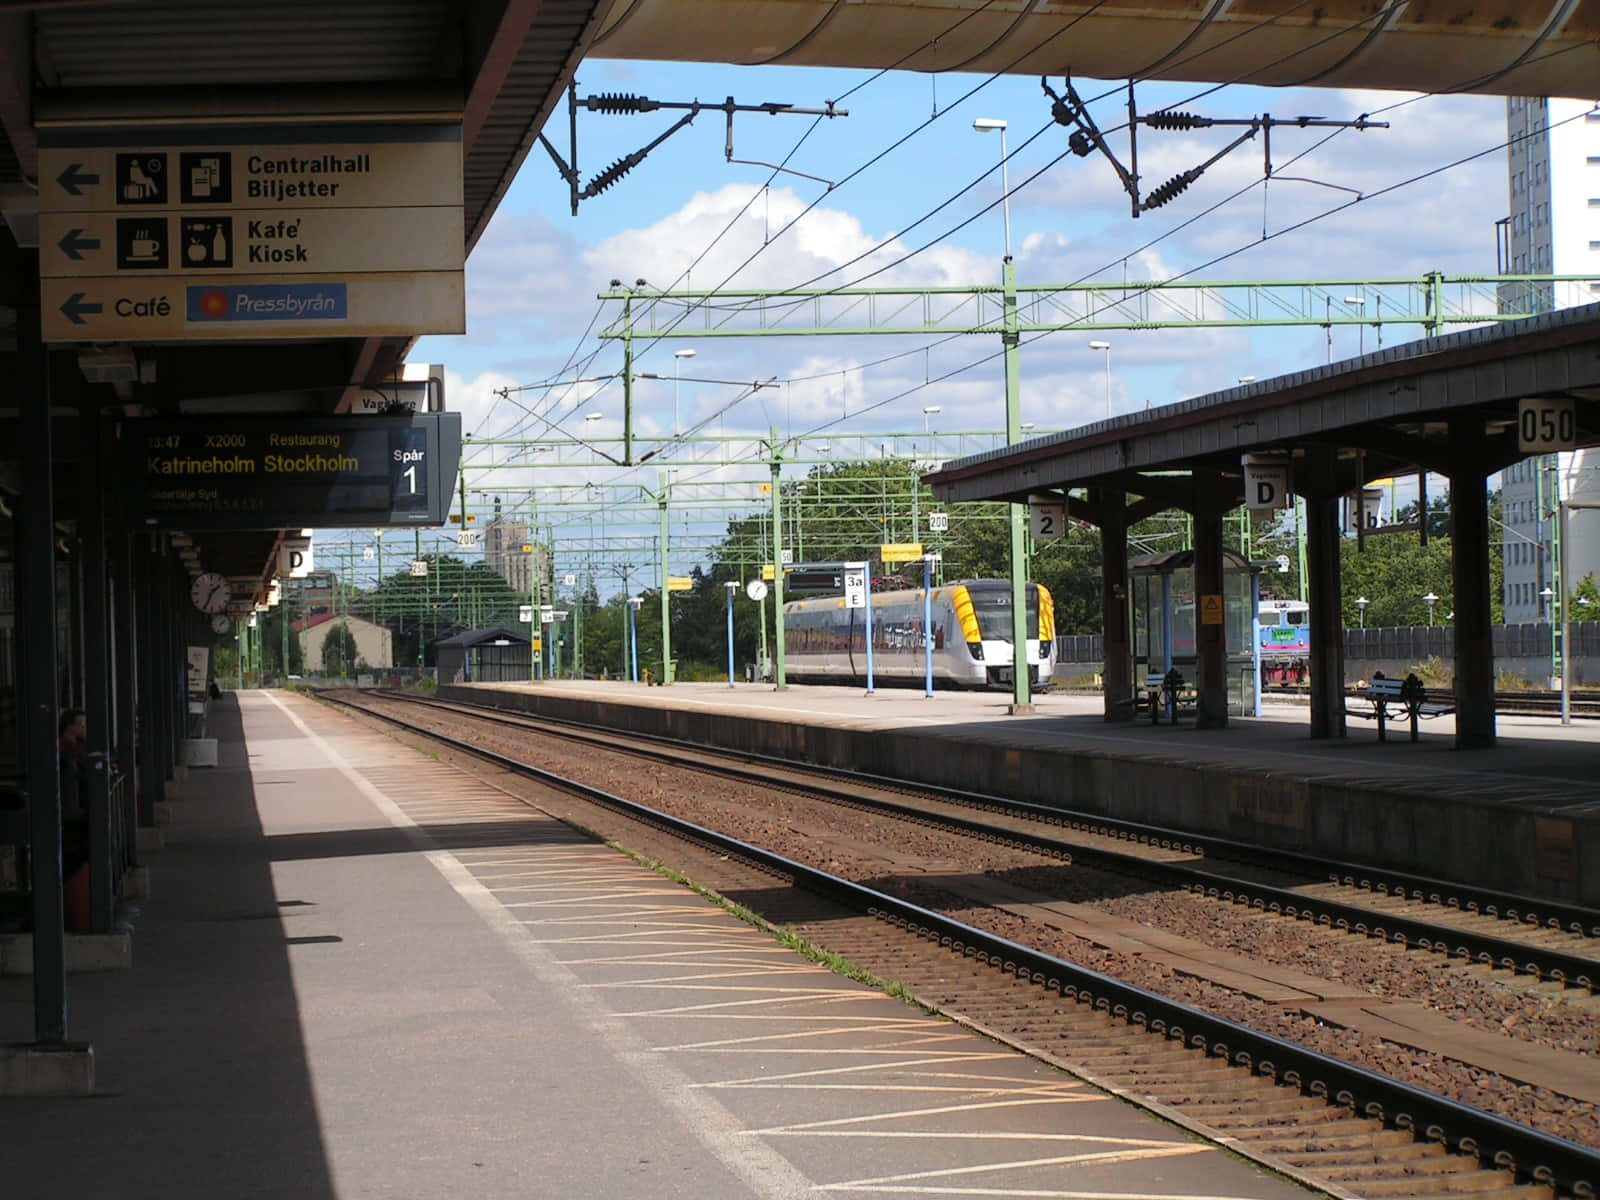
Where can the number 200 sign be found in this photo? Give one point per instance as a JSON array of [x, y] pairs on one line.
[[1545, 424]]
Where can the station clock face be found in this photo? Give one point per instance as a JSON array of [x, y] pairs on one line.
[[221, 624], [211, 592]]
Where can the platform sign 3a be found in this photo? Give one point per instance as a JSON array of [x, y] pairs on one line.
[[251, 232]]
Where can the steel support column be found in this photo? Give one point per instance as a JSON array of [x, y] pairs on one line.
[[152, 776], [125, 620], [1315, 480], [1117, 670], [1210, 637], [93, 619], [39, 703], [1469, 565]]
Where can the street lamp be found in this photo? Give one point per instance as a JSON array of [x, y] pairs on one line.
[[1010, 340], [1361, 607], [929, 410], [677, 358], [1247, 379], [985, 125], [1106, 346], [1431, 600], [1359, 304]]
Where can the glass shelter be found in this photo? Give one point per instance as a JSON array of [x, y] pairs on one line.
[[1164, 619]]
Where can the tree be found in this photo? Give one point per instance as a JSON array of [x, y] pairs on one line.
[[339, 651]]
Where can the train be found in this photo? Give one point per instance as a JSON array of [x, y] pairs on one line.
[[1285, 641], [826, 642]]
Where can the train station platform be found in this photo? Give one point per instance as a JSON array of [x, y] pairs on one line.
[[364, 973], [1522, 816]]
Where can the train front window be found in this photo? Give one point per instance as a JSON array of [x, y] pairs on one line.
[[992, 608]]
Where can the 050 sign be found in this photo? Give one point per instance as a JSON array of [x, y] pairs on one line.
[[1546, 424]]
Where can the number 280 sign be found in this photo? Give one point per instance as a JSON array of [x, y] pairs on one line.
[[1545, 424]]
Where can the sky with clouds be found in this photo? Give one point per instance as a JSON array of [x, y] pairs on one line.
[[912, 198]]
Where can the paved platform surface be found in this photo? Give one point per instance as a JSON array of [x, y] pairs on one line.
[[1538, 757], [365, 974]]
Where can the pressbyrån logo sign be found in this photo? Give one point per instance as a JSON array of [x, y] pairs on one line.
[[268, 302]]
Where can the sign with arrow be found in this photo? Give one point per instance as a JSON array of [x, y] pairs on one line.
[[239, 232]]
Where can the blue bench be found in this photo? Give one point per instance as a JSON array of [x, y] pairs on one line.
[[1407, 696]]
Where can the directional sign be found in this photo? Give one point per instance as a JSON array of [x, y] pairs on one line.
[[371, 166], [525, 613], [251, 232], [251, 242], [168, 309]]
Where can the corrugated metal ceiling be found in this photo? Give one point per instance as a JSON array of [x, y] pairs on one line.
[[198, 42]]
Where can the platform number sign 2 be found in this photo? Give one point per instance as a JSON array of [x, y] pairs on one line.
[[1545, 424], [1047, 519]]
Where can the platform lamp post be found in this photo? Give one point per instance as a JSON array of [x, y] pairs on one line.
[[1106, 346], [732, 588], [1546, 594], [1011, 339], [1430, 599], [677, 388], [1361, 607], [635, 603]]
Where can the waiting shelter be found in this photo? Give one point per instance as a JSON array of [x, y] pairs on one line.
[[496, 655], [1165, 621]]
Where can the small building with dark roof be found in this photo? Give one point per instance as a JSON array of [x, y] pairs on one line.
[[485, 656]]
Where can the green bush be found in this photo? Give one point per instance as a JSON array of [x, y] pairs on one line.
[[1434, 672]]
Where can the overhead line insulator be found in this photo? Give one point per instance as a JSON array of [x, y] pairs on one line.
[[620, 103], [1170, 190], [1176, 120]]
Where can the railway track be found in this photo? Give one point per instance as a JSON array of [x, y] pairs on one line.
[[1297, 1110], [1540, 939]]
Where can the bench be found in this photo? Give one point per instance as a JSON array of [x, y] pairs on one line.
[[1406, 695], [1168, 694]]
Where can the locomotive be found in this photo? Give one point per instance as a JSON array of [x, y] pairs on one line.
[[1285, 641]]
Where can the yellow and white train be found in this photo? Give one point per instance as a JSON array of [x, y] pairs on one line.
[[825, 642]]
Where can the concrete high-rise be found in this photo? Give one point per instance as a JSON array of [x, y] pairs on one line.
[[1553, 176]]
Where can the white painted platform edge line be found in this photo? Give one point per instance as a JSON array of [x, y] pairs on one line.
[[766, 1172]]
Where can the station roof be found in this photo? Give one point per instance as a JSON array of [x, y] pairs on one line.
[[498, 65], [1390, 408]]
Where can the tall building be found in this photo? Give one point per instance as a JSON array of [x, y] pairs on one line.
[[503, 541], [1553, 176]]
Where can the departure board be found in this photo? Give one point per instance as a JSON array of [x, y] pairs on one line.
[[291, 472]]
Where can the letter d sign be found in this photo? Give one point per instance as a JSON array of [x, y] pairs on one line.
[[1266, 485]]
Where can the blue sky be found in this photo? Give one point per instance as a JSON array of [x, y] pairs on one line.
[[676, 220]]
